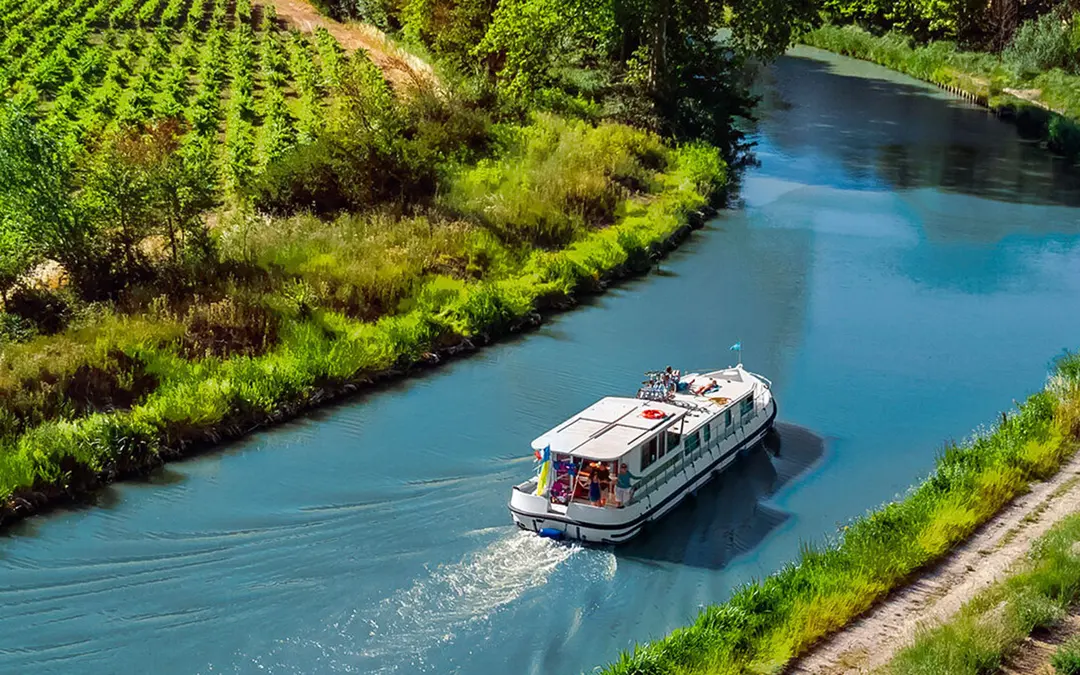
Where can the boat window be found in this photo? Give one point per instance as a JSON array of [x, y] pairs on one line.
[[672, 441], [727, 417], [707, 433], [648, 452], [692, 442], [747, 405]]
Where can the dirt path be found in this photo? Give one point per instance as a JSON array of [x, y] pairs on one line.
[[400, 68], [1031, 96], [869, 643]]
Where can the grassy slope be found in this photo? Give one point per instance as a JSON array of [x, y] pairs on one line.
[[994, 623], [766, 624], [318, 346], [1052, 114]]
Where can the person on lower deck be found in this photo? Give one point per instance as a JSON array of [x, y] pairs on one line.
[[622, 486], [594, 489]]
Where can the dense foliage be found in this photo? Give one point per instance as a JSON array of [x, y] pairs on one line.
[[1047, 42], [656, 64], [207, 218], [976, 25]]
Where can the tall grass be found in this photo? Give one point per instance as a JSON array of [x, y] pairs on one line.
[[991, 626], [557, 179], [766, 624]]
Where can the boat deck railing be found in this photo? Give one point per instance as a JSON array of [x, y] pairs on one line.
[[681, 460]]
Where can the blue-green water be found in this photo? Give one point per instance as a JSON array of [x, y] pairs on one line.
[[901, 266]]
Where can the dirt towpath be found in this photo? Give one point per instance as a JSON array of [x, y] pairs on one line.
[[870, 642], [402, 70]]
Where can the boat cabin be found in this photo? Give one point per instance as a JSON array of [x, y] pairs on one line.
[[668, 416], [600, 439]]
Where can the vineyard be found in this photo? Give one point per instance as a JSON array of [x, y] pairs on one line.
[[241, 82]]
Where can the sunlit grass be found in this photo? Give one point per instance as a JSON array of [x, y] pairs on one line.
[[994, 623]]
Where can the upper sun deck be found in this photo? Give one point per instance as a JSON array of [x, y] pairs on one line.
[[613, 426], [715, 389], [706, 395], [609, 428]]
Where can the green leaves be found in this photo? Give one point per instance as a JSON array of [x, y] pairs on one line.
[[528, 37], [35, 187]]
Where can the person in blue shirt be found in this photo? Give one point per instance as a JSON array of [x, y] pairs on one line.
[[622, 485]]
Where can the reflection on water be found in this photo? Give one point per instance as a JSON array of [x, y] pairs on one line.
[[886, 131], [902, 268], [729, 516]]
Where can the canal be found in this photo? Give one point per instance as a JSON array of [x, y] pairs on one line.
[[900, 264]]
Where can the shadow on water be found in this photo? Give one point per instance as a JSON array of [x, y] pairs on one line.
[[900, 135], [728, 517]]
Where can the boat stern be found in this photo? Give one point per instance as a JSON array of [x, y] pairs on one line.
[[528, 508]]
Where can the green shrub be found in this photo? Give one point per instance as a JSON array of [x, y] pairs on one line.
[[1066, 660], [556, 180], [1040, 45]]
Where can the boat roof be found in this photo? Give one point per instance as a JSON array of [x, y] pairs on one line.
[[608, 429]]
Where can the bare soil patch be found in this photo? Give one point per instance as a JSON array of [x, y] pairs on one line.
[[1031, 96], [870, 642], [1033, 656], [401, 69]]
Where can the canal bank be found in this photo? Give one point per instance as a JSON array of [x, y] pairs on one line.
[[898, 268], [99, 448]]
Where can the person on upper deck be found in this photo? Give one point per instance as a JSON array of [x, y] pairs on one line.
[[622, 485]]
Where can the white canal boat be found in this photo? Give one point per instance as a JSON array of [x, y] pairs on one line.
[[674, 436]]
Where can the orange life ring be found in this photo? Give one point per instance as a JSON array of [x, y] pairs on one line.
[[653, 414]]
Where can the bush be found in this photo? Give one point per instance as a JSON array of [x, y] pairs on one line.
[[1041, 44], [556, 180], [375, 149], [46, 310], [1066, 660]]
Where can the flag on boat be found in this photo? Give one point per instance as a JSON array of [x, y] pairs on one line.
[[737, 347], [545, 471]]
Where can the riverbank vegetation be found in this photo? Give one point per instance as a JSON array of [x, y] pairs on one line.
[[991, 627], [764, 625], [211, 219], [1024, 64]]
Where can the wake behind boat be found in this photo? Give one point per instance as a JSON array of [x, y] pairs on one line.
[[623, 462]]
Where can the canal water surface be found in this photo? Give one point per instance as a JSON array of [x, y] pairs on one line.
[[901, 266]]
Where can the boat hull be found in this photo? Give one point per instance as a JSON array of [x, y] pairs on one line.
[[614, 526]]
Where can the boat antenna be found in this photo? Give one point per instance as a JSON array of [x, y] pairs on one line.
[[737, 347]]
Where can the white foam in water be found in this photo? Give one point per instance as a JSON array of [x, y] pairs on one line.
[[398, 634], [455, 596]]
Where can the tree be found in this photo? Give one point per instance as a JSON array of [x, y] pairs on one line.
[[182, 187], [528, 38], [36, 181], [116, 192], [141, 182]]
